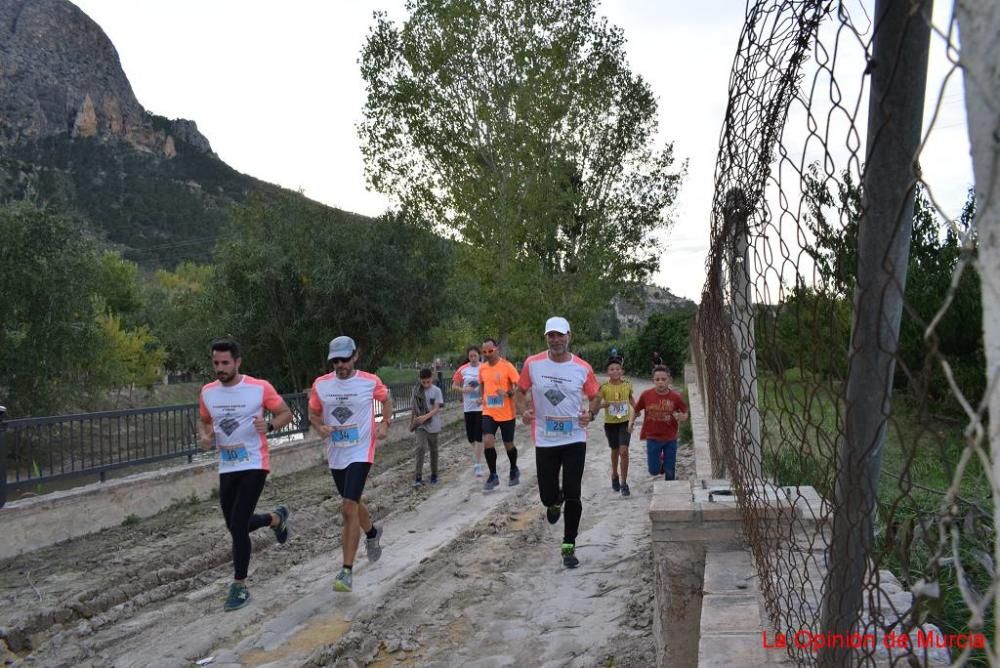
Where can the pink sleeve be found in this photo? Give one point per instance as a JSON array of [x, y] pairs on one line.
[[590, 386], [203, 409], [381, 392], [524, 382], [272, 400], [457, 378], [315, 405]]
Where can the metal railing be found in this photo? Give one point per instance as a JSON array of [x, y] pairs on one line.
[[41, 450]]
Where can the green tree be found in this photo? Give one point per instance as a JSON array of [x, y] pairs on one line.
[[667, 334], [184, 316], [518, 128], [289, 278], [61, 341], [124, 358], [936, 250]]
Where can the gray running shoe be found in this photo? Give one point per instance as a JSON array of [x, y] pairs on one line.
[[238, 596], [281, 530], [491, 483], [343, 581], [569, 555], [372, 546], [515, 477], [625, 490]]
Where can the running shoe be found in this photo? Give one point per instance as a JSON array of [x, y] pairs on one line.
[[238, 596], [477, 470], [515, 477], [491, 483], [552, 512], [614, 484], [434, 479], [343, 581], [418, 483], [569, 555], [281, 529], [625, 490], [373, 547]]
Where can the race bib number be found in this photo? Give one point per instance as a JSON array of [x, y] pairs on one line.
[[558, 426], [345, 436], [618, 409], [493, 401], [233, 454]]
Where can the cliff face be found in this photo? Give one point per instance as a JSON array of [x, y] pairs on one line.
[[59, 73], [74, 136]]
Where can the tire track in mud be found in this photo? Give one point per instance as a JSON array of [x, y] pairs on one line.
[[105, 577], [432, 607]]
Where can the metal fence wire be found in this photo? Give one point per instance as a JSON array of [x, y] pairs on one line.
[[839, 340]]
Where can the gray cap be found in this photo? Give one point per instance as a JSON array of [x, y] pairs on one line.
[[342, 346]]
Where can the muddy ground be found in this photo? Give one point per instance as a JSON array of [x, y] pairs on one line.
[[466, 579]]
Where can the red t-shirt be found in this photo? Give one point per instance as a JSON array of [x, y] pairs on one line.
[[659, 423]]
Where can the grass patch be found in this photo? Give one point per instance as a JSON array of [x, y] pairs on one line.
[[801, 418]]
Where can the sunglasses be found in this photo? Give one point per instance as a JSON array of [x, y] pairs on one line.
[[340, 360], [489, 350]]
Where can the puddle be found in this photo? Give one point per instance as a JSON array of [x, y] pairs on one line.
[[324, 632]]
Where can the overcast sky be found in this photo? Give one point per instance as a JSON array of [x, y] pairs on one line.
[[276, 89]]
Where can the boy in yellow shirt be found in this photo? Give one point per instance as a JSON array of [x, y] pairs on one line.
[[617, 402]]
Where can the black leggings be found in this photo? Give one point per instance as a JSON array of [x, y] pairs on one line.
[[571, 459], [238, 494]]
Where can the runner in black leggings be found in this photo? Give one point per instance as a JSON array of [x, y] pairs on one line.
[[564, 397], [232, 418]]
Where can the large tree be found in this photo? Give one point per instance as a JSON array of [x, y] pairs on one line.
[[519, 129], [290, 277], [63, 341]]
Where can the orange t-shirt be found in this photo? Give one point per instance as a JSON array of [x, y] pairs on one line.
[[501, 377]]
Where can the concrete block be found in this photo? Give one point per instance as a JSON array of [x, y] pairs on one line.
[[732, 651], [730, 613], [728, 572]]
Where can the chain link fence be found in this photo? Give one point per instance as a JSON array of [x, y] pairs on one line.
[[840, 336]]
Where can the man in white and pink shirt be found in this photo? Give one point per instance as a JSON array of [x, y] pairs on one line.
[[564, 396], [232, 419], [342, 410]]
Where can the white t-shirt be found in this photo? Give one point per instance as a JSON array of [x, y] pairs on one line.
[[559, 391], [349, 406], [231, 410], [468, 376]]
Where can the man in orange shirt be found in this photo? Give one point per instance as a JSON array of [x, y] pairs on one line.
[[498, 379]]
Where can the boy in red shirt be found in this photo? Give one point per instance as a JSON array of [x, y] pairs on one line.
[[665, 410]]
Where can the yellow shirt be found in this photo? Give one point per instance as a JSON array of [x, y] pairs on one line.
[[617, 396]]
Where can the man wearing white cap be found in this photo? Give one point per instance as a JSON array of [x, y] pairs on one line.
[[341, 409], [564, 397]]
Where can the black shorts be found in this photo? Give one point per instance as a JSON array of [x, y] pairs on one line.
[[350, 482], [506, 428], [474, 426], [617, 433]]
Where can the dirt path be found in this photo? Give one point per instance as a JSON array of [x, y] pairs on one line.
[[467, 578]]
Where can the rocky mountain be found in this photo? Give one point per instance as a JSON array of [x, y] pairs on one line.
[[651, 299], [72, 133], [60, 75]]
